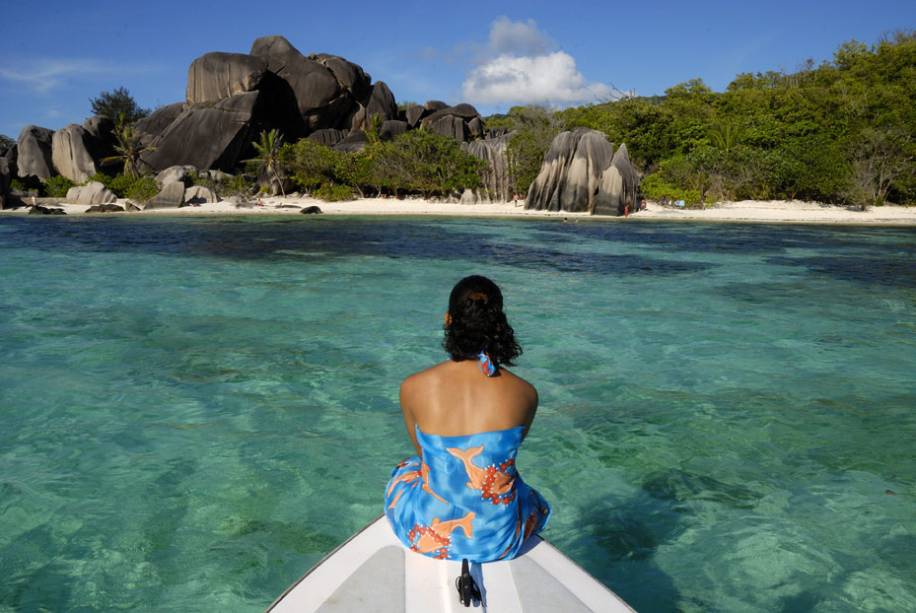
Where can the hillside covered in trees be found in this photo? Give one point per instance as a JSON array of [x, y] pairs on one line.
[[842, 132]]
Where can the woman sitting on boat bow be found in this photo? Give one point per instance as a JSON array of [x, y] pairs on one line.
[[461, 496]]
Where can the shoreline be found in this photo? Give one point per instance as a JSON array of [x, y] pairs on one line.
[[747, 211]]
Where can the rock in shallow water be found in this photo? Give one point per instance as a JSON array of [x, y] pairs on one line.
[[311, 210], [105, 208], [43, 210]]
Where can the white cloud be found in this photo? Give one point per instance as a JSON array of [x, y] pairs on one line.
[[43, 75], [509, 37], [551, 79], [522, 66]]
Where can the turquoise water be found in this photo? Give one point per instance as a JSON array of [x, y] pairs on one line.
[[194, 411]]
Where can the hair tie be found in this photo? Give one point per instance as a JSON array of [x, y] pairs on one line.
[[475, 296], [486, 364]]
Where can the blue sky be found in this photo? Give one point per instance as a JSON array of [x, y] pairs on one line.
[[55, 55]]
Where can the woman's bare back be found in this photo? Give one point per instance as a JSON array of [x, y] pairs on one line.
[[454, 398]]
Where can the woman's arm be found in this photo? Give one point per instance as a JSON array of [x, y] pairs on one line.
[[408, 393]]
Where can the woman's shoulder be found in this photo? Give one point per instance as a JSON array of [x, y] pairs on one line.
[[427, 373], [422, 378], [524, 387]]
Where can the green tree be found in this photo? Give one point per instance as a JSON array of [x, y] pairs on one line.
[[881, 157], [269, 161], [116, 104], [312, 164], [128, 148]]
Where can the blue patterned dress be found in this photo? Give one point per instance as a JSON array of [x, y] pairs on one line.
[[463, 498]]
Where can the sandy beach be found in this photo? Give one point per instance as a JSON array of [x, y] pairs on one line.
[[747, 211]]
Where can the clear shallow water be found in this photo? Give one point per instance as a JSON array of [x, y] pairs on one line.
[[192, 412]]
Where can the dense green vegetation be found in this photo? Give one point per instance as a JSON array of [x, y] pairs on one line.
[[840, 132], [136, 188], [417, 162], [57, 186]]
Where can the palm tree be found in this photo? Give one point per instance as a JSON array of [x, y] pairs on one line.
[[268, 160], [128, 148], [724, 136]]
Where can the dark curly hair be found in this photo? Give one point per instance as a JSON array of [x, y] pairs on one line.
[[477, 323]]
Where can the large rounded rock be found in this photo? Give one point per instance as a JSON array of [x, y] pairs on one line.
[[11, 157], [91, 193], [464, 111], [170, 197], [34, 150], [382, 102], [70, 153], [320, 99], [449, 125], [350, 76], [619, 186], [7, 172], [198, 194], [5, 179], [392, 128], [356, 140], [206, 137], [172, 174], [434, 105], [151, 127], [578, 175], [413, 114], [101, 128], [476, 128], [214, 76]]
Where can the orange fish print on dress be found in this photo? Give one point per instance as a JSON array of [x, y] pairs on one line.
[[494, 482], [437, 536], [411, 476]]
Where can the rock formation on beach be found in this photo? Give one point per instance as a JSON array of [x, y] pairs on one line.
[[34, 151], [230, 98], [91, 193], [206, 136], [496, 180], [4, 182], [71, 153], [582, 173]]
